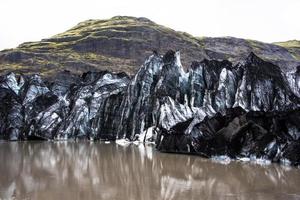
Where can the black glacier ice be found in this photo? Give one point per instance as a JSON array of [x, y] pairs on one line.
[[213, 108]]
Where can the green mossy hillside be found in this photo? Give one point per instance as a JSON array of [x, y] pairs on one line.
[[122, 43]]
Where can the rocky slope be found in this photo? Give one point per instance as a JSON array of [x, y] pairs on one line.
[[293, 46], [188, 112], [121, 44]]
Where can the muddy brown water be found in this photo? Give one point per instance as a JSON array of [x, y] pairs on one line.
[[97, 170]]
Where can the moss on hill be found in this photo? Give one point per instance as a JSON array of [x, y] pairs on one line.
[[293, 47], [122, 43]]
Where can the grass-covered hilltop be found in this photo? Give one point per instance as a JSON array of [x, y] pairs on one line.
[[122, 43]]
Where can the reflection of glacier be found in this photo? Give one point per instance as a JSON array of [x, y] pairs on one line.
[[70, 170]]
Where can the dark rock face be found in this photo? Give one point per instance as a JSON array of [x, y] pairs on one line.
[[216, 108], [158, 78], [252, 85], [238, 134], [293, 79], [30, 109]]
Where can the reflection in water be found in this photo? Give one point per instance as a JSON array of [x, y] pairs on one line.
[[84, 170]]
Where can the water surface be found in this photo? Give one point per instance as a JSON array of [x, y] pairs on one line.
[[96, 170]]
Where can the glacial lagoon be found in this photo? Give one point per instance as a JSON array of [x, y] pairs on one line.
[[102, 170]]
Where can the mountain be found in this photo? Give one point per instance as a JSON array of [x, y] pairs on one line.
[[108, 80], [121, 44], [247, 110]]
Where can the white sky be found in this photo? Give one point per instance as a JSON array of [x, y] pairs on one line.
[[264, 20]]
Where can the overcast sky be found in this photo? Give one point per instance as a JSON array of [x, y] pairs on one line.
[[264, 20]]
